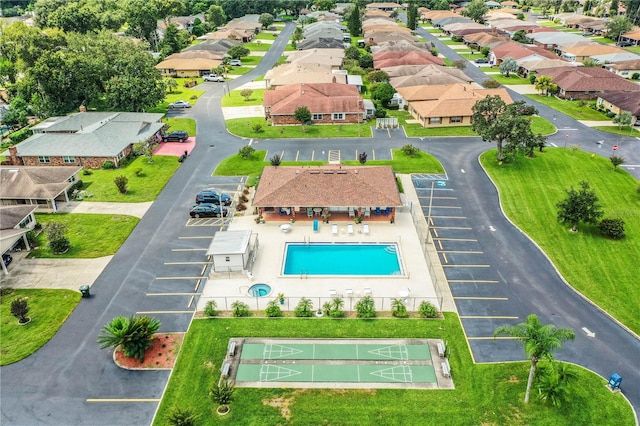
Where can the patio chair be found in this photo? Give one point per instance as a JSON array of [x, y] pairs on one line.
[[333, 293], [367, 291], [348, 292], [387, 211], [367, 212], [350, 229], [309, 212], [352, 212], [334, 229], [378, 212]]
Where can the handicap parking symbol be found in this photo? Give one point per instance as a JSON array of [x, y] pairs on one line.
[[441, 183]]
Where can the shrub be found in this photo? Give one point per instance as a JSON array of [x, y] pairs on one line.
[[399, 308], [490, 84], [257, 128], [246, 94], [365, 308], [243, 198], [133, 334], [527, 110], [121, 183], [222, 392], [380, 113], [326, 308], [20, 309], [612, 227], [427, 310], [273, 309], [124, 162], [240, 309], [108, 165], [182, 416], [246, 151], [138, 172], [241, 207], [635, 76], [210, 308], [336, 308], [304, 309], [275, 160], [410, 150], [60, 245], [87, 172]]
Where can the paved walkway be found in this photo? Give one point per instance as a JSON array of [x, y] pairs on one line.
[[130, 209]]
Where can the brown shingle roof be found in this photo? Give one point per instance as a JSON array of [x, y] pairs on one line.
[[320, 98], [11, 216], [327, 186], [583, 79], [18, 182], [626, 101]]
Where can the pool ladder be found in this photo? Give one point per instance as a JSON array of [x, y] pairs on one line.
[[304, 275]]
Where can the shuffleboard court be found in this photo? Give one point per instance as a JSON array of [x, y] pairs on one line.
[[325, 351], [336, 373]]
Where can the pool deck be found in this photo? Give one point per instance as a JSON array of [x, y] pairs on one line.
[[225, 288]]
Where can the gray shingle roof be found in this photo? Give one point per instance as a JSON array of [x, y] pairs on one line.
[[42, 183]]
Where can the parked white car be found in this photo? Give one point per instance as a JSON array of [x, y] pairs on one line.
[[235, 63], [214, 78], [179, 104]]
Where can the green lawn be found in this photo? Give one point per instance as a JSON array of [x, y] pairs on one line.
[[542, 126], [574, 109], [48, 310], [624, 131], [235, 100], [145, 187], [257, 47], [264, 36], [401, 163], [415, 130], [243, 127], [180, 93], [186, 124], [90, 235], [488, 394], [597, 267], [250, 60], [239, 70], [512, 79]]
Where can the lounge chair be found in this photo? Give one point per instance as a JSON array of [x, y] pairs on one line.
[[365, 228], [367, 212], [378, 212], [285, 227], [333, 293], [348, 292], [352, 212], [367, 291], [334, 229], [350, 229]]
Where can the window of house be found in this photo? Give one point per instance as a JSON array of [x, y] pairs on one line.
[[67, 159], [25, 222], [316, 117], [44, 159], [227, 259], [338, 116], [625, 72], [455, 119], [434, 120]]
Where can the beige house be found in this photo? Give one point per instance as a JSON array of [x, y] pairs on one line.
[[618, 102], [190, 64], [330, 57], [446, 105], [286, 74], [626, 69]]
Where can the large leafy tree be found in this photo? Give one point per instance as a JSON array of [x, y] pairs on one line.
[[618, 25], [581, 205], [142, 17], [303, 115], [174, 40], [383, 92], [476, 10], [354, 21], [325, 4], [237, 52], [266, 19], [508, 66], [412, 15], [165, 9], [539, 342], [216, 16], [496, 121]]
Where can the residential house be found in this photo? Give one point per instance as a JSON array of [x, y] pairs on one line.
[[401, 46], [42, 187], [383, 36], [613, 58], [436, 14], [295, 73], [530, 66], [510, 4], [626, 69], [320, 43], [390, 59], [517, 51], [458, 26], [213, 45], [329, 103], [331, 57], [448, 20], [550, 40], [15, 222], [335, 190], [446, 105], [482, 39], [375, 13], [190, 63], [492, 4], [431, 75], [85, 139], [580, 52], [586, 82], [632, 37], [619, 101], [386, 7], [324, 16]]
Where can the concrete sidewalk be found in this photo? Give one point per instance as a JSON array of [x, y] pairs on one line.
[[129, 209]]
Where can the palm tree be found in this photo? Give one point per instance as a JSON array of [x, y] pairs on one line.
[[133, 334], [398, 308], [539, 341], [543, 84]]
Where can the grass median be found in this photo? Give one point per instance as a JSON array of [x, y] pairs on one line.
[[48, 310], [234, 99], [90, 235], [484, 394], [244, 127], [598, 267], [401, 163], [578, 110]]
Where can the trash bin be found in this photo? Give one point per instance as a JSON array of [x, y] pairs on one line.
[[84, 289]]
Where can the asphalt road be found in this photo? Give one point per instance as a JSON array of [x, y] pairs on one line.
[[71, 381]]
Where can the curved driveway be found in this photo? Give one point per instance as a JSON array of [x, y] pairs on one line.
[[71, 381]]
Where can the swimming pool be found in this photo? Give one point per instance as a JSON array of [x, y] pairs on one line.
[[259, 290], [341, 259]]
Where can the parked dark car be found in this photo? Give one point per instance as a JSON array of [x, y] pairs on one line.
[[214, 197], [208, 210], [625, 44], [481, 61], [177, 136], [7, 259]]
